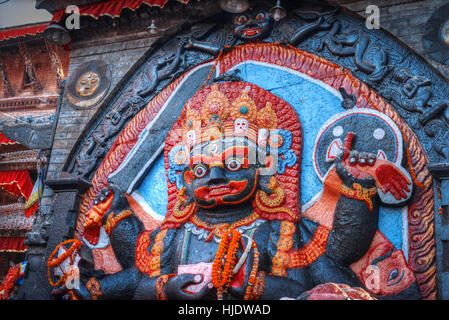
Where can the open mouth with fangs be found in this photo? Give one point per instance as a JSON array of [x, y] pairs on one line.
[[251, 32], [207, 193]]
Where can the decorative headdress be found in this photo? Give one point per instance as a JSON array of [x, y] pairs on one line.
[[237, 109]]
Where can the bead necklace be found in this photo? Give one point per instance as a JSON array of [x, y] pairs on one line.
[[219, 229]]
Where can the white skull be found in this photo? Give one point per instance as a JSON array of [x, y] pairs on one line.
[[241, 126]]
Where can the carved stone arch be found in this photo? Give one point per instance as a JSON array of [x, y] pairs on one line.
[[371, 65]]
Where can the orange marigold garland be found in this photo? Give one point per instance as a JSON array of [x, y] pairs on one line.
[[219, 229], [225, 261], [259, 285], [252, 276], [53, 262]]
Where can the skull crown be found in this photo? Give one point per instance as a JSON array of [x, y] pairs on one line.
[[217, 117]]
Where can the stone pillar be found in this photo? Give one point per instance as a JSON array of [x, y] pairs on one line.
[[63, 213], [440, 172]]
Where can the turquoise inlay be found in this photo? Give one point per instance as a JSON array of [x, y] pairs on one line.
[[243, 110]]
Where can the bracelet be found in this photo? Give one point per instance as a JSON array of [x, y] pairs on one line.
[[94, 288], [359, 193], [112, 220], [252, 276]]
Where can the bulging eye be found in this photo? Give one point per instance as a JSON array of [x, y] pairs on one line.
[[233, 164], [240, 19], [393, 274], [260, 16], [199, 171]]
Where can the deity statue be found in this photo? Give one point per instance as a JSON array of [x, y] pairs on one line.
[[234, 227]]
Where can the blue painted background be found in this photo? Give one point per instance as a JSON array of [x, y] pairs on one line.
[[314, 105]]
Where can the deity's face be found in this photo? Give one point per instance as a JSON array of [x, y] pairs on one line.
[[222, 173], [87, 84], [252, 24]]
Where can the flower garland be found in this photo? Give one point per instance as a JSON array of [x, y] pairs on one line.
[[225, 261], [252, 276], [53, 262]]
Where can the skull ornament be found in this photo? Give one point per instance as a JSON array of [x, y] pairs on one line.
[[241, 126]]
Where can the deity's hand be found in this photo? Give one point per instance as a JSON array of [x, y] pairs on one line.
[[110, 199], [79, 290], [386, 175], [174, 289]]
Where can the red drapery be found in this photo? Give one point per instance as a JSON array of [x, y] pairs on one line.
[[12, 244], [22, 32], [112, 8], [6, 141], [16, 182]]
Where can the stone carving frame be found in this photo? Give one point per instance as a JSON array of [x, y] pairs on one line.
[[424, 108]]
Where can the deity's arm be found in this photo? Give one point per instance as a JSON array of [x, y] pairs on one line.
[[277, 287], [208, 47], [123, 238], [123, 229]]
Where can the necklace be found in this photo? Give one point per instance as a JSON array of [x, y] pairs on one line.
[[219, 229], [225, 261]]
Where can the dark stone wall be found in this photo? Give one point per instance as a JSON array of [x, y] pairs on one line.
[[405, 19]]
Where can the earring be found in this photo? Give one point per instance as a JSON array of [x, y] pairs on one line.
[[180, 212]]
